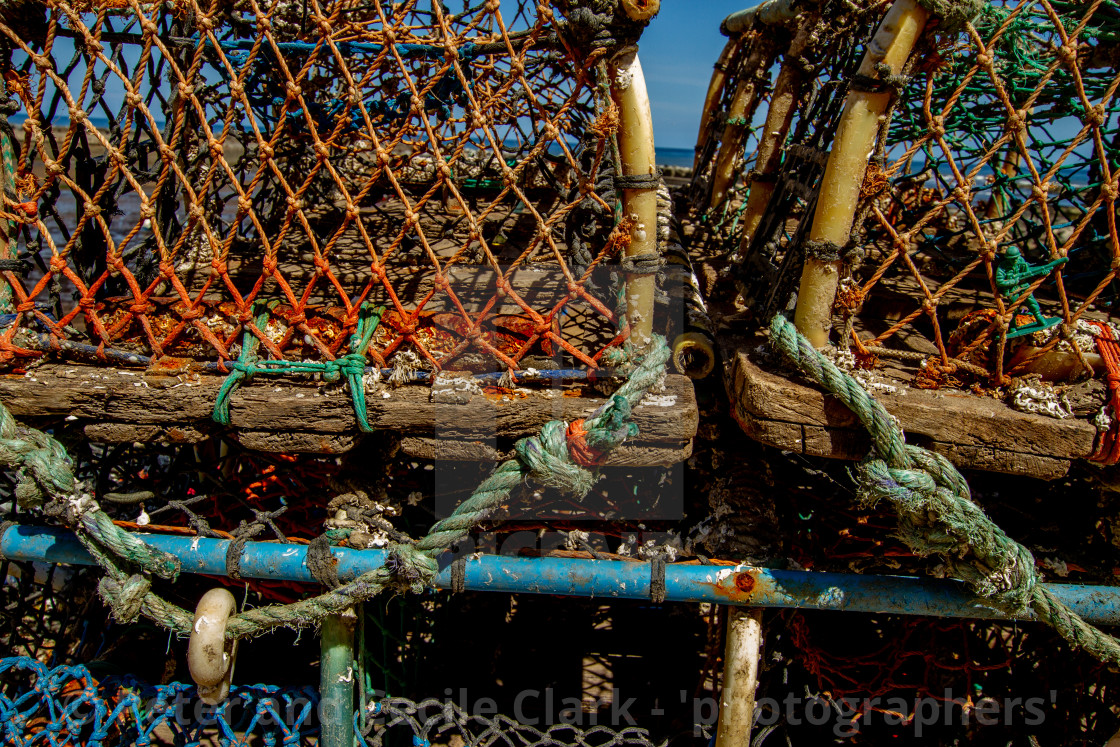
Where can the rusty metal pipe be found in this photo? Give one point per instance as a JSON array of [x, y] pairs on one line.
[[610, 579]]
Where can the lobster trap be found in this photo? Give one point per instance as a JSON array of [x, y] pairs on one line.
[[335, 191], [353, 197], [936, 196]]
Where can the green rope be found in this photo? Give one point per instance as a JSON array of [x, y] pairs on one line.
[[9, 232], [46, 475], [352, 365], [935, 508]]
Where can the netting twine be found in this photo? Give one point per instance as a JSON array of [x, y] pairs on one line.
[[935, 508]]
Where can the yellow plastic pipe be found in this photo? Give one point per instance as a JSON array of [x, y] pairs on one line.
[[715, 91], [740, 677], [635, 144], [738, 114], [851, 150], [787, 90]]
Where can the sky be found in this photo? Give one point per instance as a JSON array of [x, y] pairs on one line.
[[678, 50]]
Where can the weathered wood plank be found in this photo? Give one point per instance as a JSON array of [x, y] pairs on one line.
[[627, 455], [297, 442], [843, 443], [949, 417], [104, 395], [1007, 462], [292, 442], [974, 432], [119, 433]]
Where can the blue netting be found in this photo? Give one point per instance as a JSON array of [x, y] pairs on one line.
[[66, 705]]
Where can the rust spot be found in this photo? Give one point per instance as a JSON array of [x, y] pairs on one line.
[[169, 365], [744, 582], [499, 394]]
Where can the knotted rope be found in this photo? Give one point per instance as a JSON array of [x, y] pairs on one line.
[[550, 458], [935, 508], [352, 365]]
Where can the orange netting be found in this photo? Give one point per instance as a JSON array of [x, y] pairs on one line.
[[174, 164]]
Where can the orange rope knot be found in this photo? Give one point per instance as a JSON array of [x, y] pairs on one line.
[[1108, 448], [579, 450], [934, 374], [620, 237], [865, 359], [26, 184], [874, 181], [607, 123], [849, 296], [16, 83], [972, 338], [29, 210]]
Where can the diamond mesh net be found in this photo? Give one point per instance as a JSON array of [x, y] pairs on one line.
[[75, 708], [1001, 143], [172, 164]]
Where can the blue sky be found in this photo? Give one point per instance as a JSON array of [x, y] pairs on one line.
[[678, 50]]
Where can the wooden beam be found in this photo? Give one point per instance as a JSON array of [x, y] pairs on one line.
[[974, 432], [636, 454], [274, 414]]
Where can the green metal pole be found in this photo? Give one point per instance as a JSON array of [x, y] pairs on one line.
[[337, 675]]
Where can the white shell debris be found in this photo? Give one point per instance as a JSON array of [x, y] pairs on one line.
[[1057, 566], [575, 539], [1032, 394], [845, 360], [405, 363], [453, 390], [1102, 420]]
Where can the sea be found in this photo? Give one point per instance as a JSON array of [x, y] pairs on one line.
[[674, 156]]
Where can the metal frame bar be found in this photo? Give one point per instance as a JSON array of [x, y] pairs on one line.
[[610, 579]]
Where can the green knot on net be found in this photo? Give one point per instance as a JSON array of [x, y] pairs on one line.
[[547, 460], [610, 425], [351, 366], [559, 456], [45, 477], [128, 546], [936, 513], [411, 569]]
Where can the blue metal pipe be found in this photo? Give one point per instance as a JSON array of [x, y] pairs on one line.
[[609, 579]]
